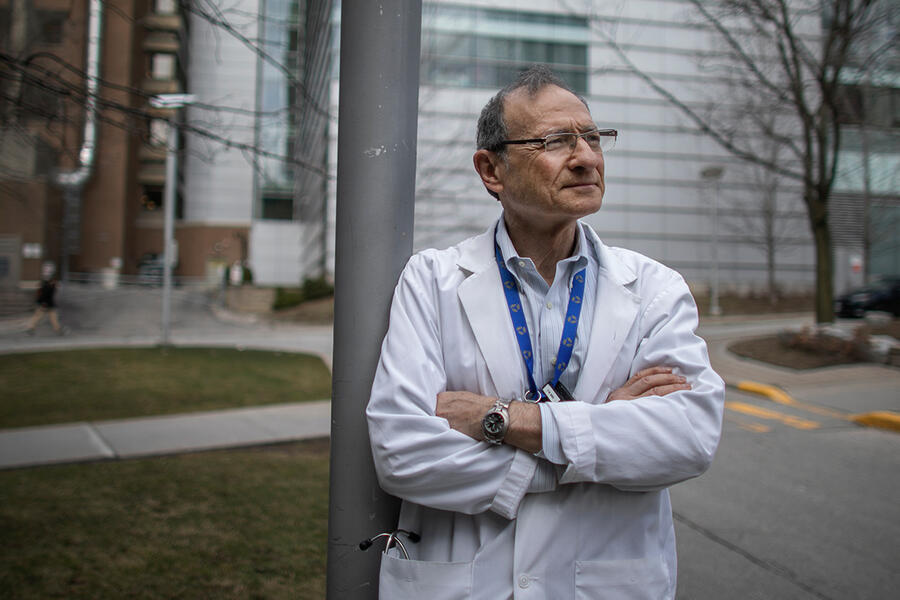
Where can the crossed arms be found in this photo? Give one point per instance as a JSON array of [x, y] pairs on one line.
[[655, 429]]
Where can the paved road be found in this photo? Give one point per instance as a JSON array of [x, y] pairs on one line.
[[801, 503]]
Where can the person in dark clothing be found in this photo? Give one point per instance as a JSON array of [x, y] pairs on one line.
[[46, 302]]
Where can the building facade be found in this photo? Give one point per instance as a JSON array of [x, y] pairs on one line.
[[672, 192], [260, 73], [83, 151], [258, 148]]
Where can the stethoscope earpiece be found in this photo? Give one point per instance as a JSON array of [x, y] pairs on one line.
[[392, 538]]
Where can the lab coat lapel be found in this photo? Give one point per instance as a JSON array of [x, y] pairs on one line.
[[615, 310], [484, 305]]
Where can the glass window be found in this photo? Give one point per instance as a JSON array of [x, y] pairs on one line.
[[278, 128], [49, 25], [481, 47], [162, 66], [152, 198], [159, 132], [165, 7], [278, 207]]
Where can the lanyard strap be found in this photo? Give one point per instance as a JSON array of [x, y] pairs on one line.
[[517, 313]]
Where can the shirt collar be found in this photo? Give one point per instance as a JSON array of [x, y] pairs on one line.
[[581, 257]]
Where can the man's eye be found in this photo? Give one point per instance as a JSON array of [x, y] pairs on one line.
[[593, 139], [557, 142]]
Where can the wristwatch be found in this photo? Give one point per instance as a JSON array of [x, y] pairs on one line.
[[495, 422]]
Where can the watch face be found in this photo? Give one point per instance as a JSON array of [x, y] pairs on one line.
[[493, 424]]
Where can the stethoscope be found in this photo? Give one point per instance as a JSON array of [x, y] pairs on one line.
[[392, 539]]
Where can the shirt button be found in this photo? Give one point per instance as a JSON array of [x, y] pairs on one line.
[[524, 582], [521, 263], [553, 361], [549, 305]]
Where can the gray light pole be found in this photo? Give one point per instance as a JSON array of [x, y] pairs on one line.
[[714, 174], [174, 101], [379, 91]]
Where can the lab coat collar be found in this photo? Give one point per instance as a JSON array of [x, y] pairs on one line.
[[481, 296], [477, 254]]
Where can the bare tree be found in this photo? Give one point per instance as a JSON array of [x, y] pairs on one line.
[[786, 58]]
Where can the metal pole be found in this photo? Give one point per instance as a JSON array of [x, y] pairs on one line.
[[379, 89], [168, 228]]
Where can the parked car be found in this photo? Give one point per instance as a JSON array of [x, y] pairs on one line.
[[882, 295]]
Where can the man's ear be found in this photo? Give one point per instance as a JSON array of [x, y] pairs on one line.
[[489, 167]]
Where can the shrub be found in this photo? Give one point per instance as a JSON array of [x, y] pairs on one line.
[[319, 287], [312, 289]]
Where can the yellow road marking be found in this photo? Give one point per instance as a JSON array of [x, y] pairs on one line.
[[748, 425], [772, 415], [776, 395], [885, 419]]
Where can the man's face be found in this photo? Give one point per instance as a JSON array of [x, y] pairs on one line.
[[544, 189]]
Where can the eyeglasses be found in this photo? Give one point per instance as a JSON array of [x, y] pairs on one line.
[[599, 140]]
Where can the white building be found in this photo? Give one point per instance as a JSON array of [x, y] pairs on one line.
[[657, 200], [259, 69], [672, 192]]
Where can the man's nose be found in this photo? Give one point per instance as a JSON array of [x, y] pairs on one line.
[[585, 156]]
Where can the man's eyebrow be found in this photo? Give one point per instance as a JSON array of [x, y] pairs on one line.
[[580, 129]]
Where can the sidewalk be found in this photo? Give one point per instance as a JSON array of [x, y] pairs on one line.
[[130, 316], [848, 389], [154, 436]]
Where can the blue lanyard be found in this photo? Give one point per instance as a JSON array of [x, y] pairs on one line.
[[516, 312]]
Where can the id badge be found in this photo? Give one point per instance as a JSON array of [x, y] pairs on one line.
[[556, 393]]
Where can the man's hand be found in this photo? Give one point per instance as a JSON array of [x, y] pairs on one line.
[[654, 381], [464, 411]]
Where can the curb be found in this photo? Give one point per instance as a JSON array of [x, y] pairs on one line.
[[883, 419]]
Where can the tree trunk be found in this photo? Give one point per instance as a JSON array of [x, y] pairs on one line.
[[818, 217]]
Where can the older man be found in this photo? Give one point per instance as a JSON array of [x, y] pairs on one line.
[[538, 391]]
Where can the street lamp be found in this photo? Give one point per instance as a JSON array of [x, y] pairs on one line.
[[172, 101], [714, 174]]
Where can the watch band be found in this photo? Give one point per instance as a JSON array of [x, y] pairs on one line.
[[495, 422]]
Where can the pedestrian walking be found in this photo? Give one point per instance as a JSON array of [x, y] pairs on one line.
[[46, 301]]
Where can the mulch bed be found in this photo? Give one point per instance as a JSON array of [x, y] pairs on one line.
[[772, 349], [769, 349]]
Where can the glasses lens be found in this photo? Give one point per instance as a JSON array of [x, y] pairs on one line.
[[559, 141], [598, 141], [593, 139], [607, 142]]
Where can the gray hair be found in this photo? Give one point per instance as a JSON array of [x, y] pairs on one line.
[[491, 126]]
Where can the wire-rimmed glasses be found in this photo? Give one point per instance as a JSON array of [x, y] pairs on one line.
[[598, 140]]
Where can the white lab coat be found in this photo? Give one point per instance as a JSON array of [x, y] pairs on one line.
[[606, 530]]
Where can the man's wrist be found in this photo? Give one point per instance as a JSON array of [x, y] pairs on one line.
[[495, 423]]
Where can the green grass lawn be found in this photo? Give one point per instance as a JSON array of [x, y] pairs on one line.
[[90, 385], [230, 524], [236, 524]]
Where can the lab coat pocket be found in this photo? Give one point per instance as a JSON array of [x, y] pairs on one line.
[[401, 578], [627, 579]]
